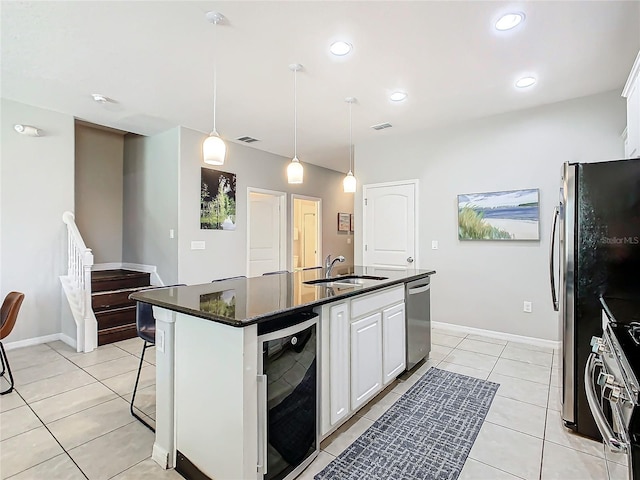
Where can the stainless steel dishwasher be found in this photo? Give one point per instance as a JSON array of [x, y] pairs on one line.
[[418, 313]]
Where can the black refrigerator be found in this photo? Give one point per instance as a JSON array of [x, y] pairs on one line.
[[596, 239]]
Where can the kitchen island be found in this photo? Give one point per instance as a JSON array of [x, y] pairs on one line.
[[210, 343]]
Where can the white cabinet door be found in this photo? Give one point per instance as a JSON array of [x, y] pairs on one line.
[[394, 342], [366, 359], [339, 362]]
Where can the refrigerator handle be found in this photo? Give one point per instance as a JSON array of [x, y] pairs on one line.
[[552, 277]]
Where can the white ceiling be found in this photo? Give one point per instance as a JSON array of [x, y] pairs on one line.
[[155, 59]]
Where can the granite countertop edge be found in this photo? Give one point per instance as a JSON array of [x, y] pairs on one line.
[[307, 307]]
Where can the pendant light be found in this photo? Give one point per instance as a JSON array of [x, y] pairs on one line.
[[295, 170], [349, 183], [213, 148]]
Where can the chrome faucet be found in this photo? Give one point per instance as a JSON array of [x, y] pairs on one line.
[[328, 264]]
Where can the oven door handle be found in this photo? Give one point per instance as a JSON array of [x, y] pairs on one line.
[[609, 437]]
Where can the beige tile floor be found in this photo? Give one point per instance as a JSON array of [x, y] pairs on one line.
[[69, 416], [522, 437]]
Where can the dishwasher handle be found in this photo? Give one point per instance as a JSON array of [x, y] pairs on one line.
[[419, 289]]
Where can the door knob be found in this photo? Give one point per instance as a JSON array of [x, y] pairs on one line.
[[410, 259]]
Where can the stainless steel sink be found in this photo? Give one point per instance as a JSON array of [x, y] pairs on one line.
[[345, 280]]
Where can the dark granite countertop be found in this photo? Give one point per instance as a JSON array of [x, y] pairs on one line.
[[243, 301]]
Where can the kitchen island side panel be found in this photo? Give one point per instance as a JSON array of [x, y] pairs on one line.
[[216, 397]]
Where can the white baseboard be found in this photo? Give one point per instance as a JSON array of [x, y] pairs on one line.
[[161, 456], [68, 340], [38, 340], [510, 337]]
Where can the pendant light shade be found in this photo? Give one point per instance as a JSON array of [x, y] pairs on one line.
[[294, 170], [349, 183], [214, 149]]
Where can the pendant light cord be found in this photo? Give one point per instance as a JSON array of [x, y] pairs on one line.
[[295, 113], [350, 137], [215, 75]]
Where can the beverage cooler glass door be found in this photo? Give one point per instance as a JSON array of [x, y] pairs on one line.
[[287, 400]]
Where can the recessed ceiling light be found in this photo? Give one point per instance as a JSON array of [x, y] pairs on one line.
[[525, 82], [509, 21], [340, 48], [398, 96]]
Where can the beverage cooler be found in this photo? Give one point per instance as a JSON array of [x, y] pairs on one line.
[[288, 387]]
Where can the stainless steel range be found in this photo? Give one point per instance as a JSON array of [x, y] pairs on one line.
[[611, 385]]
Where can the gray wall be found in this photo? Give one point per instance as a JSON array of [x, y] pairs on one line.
[[151, 202], [226, 251], [483, 284], [98, 191], [36, 188]]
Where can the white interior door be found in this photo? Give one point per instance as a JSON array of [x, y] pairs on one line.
[[310, 237], [306, 225], [390, 225], [266, 237]]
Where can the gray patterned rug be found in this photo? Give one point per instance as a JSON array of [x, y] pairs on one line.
[[426, 434]]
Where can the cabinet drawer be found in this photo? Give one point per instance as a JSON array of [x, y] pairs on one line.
[[376, 301]]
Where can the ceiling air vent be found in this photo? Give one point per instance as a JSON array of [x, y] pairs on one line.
[[381, 126], [247, 139]]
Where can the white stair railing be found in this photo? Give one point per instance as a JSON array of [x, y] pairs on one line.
[[79, 263]]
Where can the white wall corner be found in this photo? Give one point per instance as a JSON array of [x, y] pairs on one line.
[[69, 341]]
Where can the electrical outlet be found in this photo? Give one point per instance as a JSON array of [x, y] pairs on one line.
[[172, 233], [349, 240], [527, 307]]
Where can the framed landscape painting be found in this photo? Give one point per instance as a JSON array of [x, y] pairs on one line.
[[509, 215]]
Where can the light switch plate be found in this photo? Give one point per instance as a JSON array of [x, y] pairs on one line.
[[197, 245], [434, 244]]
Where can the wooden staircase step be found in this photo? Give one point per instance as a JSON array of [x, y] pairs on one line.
[[116, 317], [115, 313], [118, 279], [115, 334], [113, 299]]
